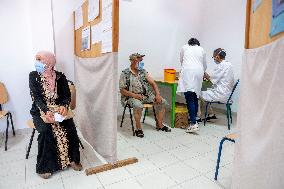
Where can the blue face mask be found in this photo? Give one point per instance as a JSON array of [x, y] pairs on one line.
[[140, 65], [39, 67]]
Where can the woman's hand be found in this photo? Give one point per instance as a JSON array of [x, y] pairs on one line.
[[206, 76], [63, 111], [49, 116]]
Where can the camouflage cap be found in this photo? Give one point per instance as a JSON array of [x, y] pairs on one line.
[[135, 56]]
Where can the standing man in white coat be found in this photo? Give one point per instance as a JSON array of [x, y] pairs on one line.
[[193, 63], [222, 79]]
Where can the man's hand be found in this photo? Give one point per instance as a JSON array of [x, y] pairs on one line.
[[158, 99], [49, 116], [138, 96], [63, 111]]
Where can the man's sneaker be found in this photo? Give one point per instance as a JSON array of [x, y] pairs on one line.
[[192, 129]]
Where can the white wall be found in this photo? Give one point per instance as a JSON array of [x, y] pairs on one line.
[[25, 29], [222, 24], [157, 29], [64, 34]]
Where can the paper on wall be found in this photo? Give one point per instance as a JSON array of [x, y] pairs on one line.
[[93, 10], [86, 38], [78, 18], [107, 26], [96, 33], [107, 41]]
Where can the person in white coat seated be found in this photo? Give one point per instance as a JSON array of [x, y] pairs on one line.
[[222, 79], [193, 66]]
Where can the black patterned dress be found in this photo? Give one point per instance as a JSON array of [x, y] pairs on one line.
[[58, 143]]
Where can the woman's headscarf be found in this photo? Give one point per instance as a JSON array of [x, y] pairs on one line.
[[48, 58]]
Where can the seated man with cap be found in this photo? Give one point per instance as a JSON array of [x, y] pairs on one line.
[[137, 88]]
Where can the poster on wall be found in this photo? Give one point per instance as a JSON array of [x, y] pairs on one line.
[[277, 21], [278, 7], [277, 25], [256, 4], [93, 9], [78, 18], [86, 36]]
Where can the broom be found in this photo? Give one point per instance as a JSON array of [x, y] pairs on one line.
[[109, 166]]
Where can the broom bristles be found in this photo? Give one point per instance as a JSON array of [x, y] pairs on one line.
[[108, 166]]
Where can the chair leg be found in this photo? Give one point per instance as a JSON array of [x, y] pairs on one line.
[[231, 114], [155, 116], [206, 112], [145, 113], [12, 123], [30, 144], [131, 119], [81, 143], [7, 128], [219, 157], [228, 117], [123, 115]]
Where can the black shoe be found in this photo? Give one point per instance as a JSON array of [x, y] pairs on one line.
[[139, 133], [199, 120], [211, 117], [165, 128]]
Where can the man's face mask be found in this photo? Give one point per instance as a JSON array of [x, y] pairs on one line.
[[140, 65], [39, 66]]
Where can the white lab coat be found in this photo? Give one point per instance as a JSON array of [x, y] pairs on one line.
[[223, 82], [193, 66]]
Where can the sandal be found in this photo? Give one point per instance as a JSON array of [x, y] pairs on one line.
[[76, 167], [45, 175], [139, 133], [165, 128]]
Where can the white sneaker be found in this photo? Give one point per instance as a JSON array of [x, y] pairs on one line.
[[192, 129]]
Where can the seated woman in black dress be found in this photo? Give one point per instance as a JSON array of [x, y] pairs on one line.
[[58, 142]]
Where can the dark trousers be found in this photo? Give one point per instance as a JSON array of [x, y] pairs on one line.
[[192, 105]]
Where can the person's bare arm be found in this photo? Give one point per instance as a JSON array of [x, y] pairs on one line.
[[127, 93], [155, 87]]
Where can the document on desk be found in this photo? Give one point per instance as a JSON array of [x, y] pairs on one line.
[[93, 10]]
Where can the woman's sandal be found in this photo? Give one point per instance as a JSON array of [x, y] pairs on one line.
[[76, 167], [45, 175], [139, 133]]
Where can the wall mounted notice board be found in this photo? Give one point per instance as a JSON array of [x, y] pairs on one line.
[[258, 25], [95, 49]]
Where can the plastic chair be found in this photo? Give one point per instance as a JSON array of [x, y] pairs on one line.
[[7, 114], [228, 107], [145, 106], [231, 138], [72, 107]]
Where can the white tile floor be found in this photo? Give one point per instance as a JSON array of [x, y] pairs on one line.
[[173, 160]]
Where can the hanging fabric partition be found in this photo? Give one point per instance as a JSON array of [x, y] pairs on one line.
[[259, 151], [96, 110]]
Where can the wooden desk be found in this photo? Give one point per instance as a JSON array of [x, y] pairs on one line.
[[173, 86]]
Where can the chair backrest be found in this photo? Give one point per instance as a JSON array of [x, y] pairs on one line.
[[3, 94], [234, 88], [73, 95]]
